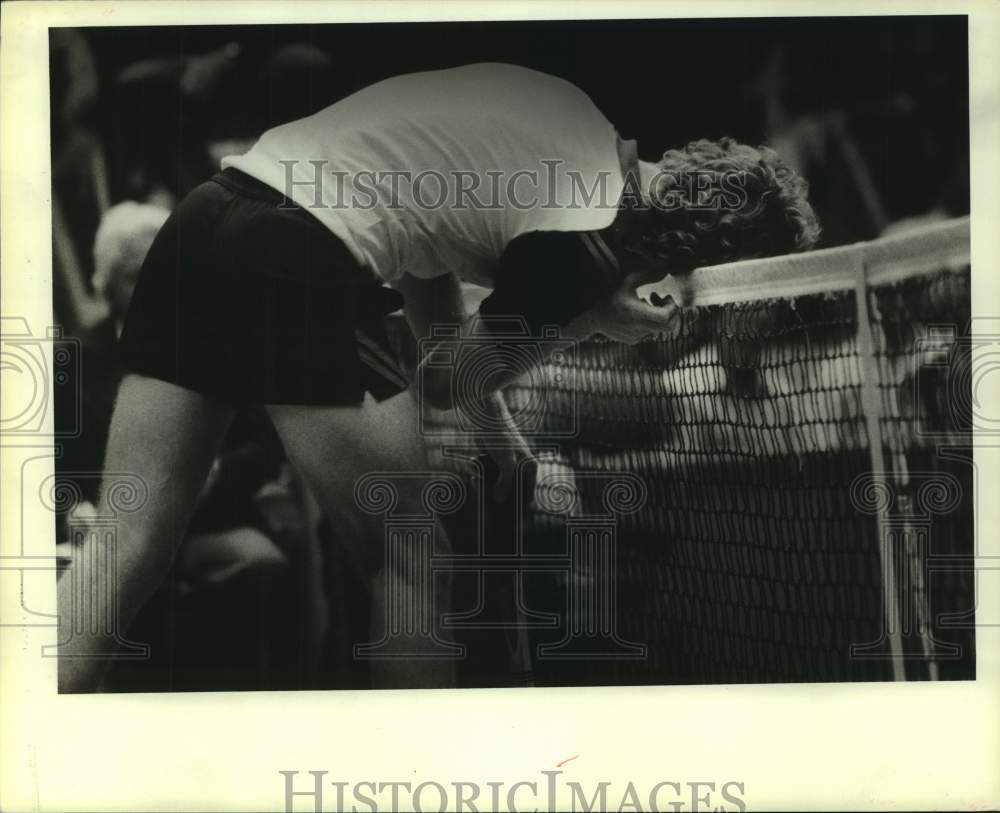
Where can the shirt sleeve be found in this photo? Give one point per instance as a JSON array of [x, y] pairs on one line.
[[548, 278]]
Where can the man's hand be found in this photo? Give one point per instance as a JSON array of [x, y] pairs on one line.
[[624, 317]]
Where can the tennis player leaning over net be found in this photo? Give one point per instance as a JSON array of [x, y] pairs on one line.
[[489, 173]]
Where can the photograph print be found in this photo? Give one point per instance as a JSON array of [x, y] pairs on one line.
[[526, 354]]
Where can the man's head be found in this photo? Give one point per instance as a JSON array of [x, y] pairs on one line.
[[715, 202]]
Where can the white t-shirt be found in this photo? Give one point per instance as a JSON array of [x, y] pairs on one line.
[[531, 151]]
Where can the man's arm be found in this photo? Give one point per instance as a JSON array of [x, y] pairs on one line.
[[431, 302], [167, 436], [624, 317], [439, 301], [569, 280]]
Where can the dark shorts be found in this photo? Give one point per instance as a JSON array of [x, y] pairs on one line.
[[248, 299]]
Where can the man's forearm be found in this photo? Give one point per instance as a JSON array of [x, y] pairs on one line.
[[436, 381], [430, 302]]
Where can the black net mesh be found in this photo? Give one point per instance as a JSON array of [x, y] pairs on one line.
[[755, 556]]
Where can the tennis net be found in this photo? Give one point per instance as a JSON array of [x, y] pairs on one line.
[[804, 444]]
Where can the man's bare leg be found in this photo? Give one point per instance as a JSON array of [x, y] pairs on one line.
[[333, 448], [164, 438]]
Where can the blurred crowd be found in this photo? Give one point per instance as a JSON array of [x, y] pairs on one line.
[[243, 606], [248, 604]]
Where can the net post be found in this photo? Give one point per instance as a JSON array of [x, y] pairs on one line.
[[872, 404]]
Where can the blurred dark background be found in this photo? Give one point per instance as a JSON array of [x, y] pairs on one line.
[[897, 86], [872, 110]]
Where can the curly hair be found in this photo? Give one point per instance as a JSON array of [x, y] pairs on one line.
[[721, 201]]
